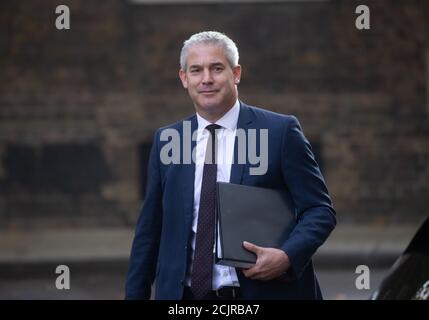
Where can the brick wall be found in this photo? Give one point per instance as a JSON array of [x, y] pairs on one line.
[[78, 106]]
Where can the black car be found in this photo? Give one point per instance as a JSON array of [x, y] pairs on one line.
[[408, 278]]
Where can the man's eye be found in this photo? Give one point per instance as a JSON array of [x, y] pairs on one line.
[[194, 70], [218, 69]]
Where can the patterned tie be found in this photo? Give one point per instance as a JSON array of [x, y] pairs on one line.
[[202, 266]]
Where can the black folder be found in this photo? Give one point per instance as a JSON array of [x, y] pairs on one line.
[[261, 216]]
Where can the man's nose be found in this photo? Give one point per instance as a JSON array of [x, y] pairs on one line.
[[207, 77]]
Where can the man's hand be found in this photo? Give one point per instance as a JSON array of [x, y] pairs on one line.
[[271, 263]]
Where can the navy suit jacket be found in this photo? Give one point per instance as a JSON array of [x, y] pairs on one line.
[[161, 245]]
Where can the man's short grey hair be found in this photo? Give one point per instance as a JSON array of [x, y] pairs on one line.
[[210, 37]]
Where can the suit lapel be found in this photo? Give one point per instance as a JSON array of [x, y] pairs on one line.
[[244, 120], [188, 175]]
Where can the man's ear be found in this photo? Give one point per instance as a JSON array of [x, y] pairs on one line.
[[237, 73], [183, 78]]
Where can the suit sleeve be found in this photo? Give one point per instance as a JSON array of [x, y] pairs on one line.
[[315, 213], [144, 251]]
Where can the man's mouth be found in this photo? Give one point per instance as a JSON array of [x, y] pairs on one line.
[[208, 92]]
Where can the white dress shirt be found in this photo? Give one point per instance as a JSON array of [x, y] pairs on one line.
[[222, 275]]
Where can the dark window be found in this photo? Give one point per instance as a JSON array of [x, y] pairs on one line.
[[63, 168]]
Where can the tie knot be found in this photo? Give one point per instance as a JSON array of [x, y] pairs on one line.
[[212, 127]]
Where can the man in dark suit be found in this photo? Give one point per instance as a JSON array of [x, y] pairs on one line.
[[175, 238]]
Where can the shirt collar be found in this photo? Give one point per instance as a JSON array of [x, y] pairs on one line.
[[229, 120]]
